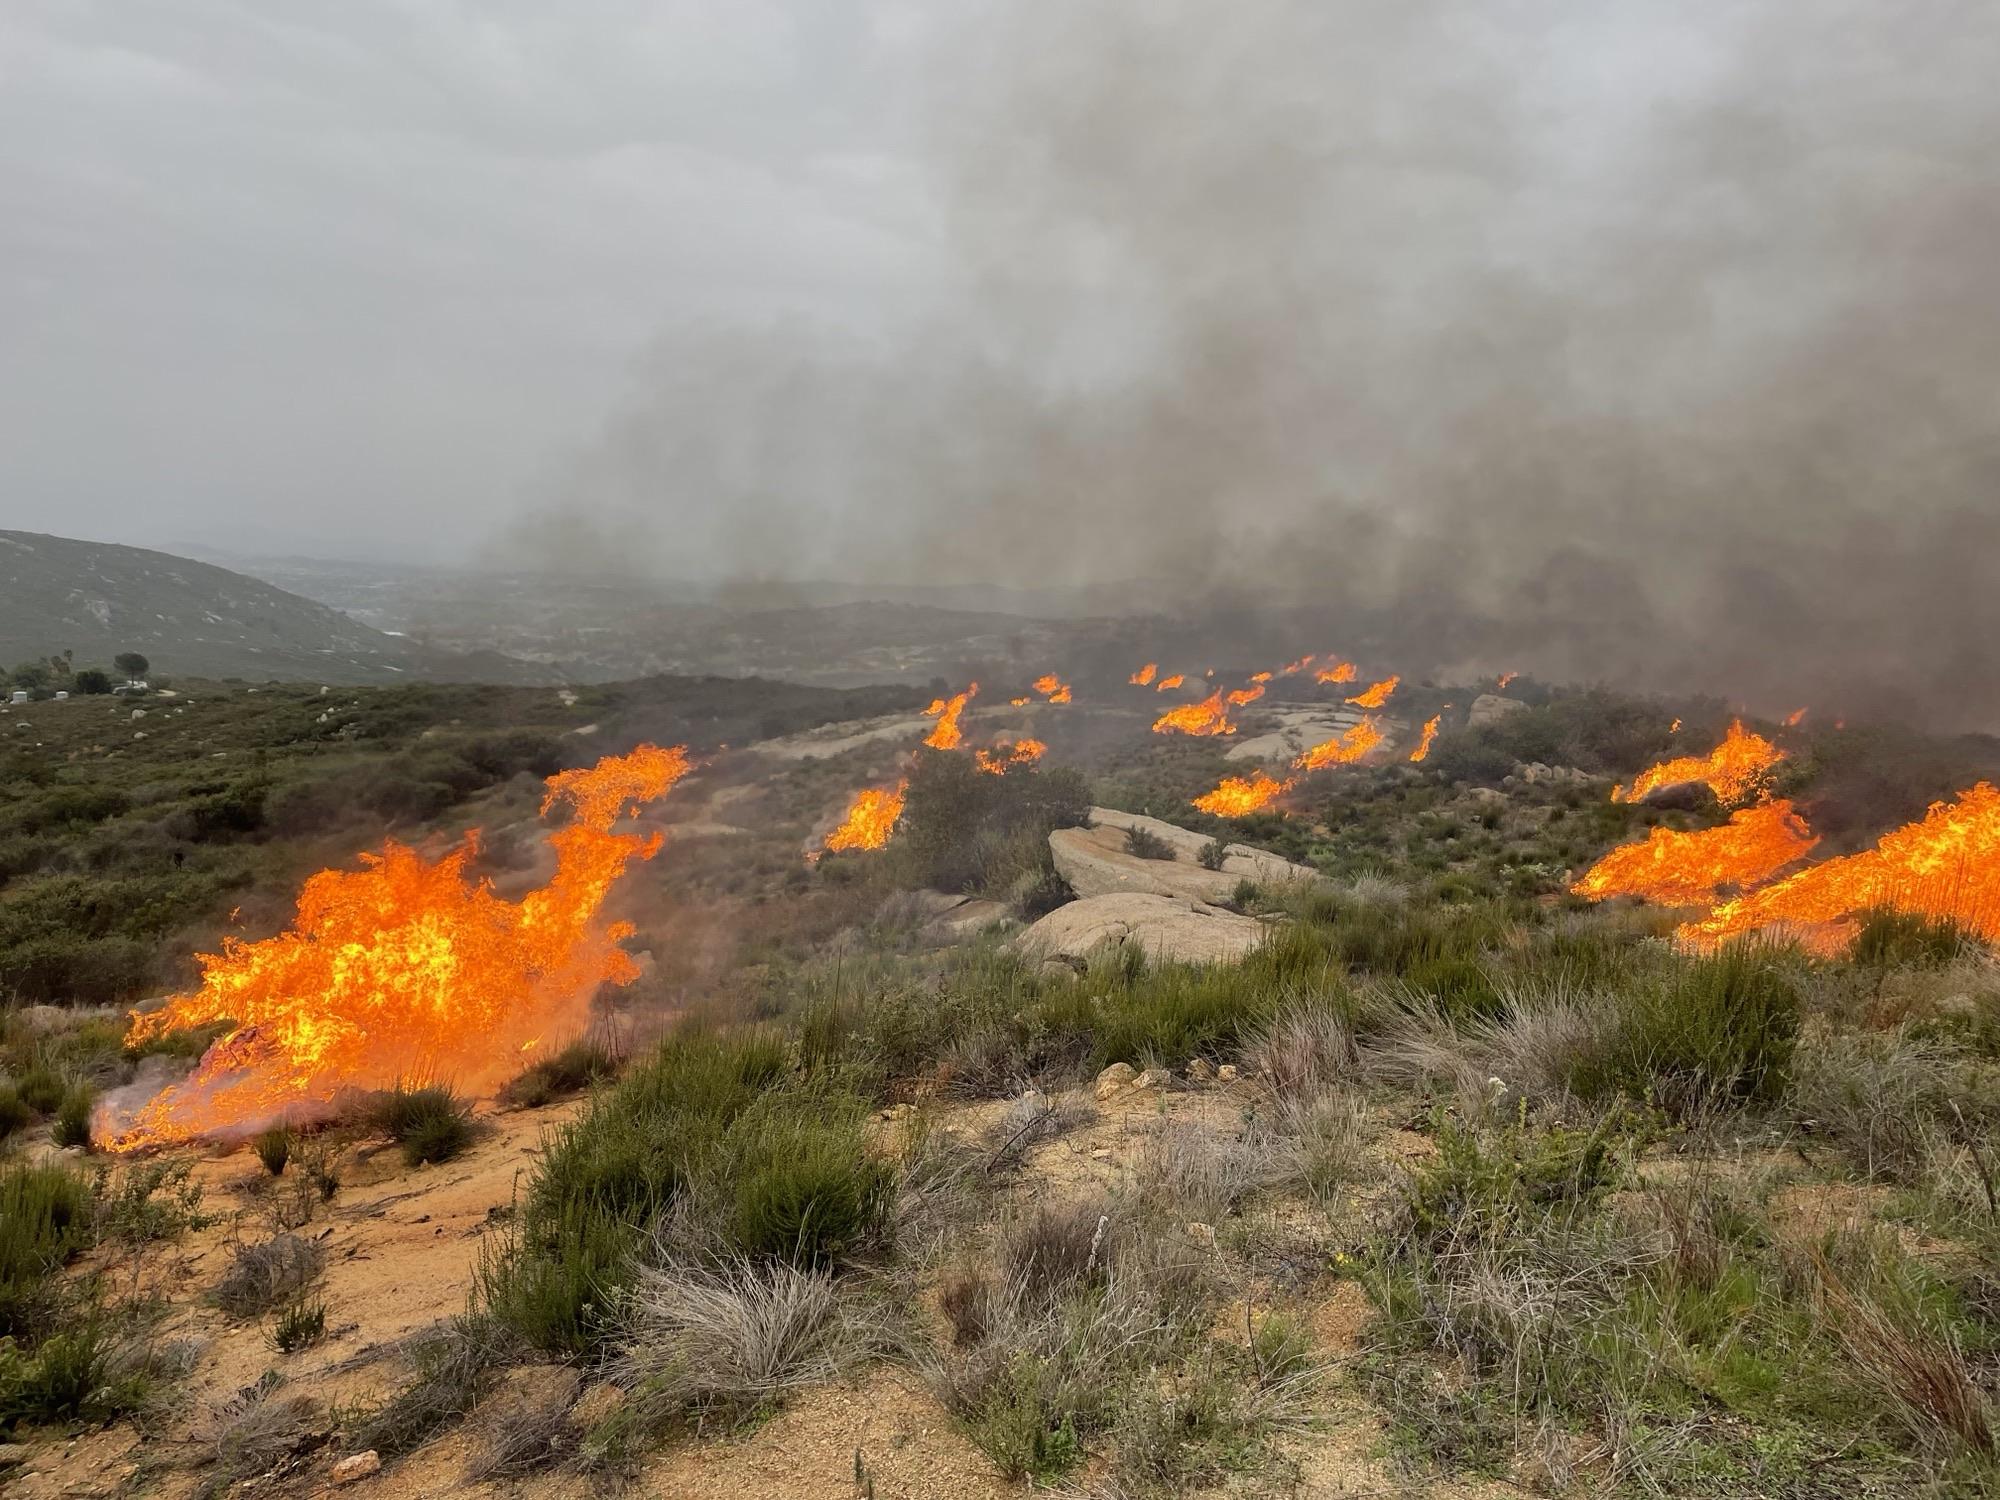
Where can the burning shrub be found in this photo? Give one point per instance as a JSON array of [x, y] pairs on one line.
[[964, 830]]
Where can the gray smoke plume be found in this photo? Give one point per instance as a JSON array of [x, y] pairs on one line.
[[1617, 338]]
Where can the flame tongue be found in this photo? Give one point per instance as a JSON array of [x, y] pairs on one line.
[[1208, 717], [1238, 795], [1429, 737], [406, 967], [1946, 866], [871, 818], [1144, 676], [1343, 751], [1377, 695], [1732, 769], [1691, 869], [945, 734]]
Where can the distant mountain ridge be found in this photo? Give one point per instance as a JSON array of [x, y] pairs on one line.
[[191, 618]]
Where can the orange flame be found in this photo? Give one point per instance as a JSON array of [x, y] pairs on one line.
[[1343, 751], [1946, 865], [408, 967], [1247, 695], [1675, 727], [1733, 769], [1167, 683], [1429, 737], [1020, 753], [1673, 868], [1795, 718], [1207, 717], [1239, 795], [1260, 676], [1505, 679], [1020, 702], [1377, 695], [945, 734], [1144, 676], [1340, 671], [1304, 663], [871, 818], [1052, 688]]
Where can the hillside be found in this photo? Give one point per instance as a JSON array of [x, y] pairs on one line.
[[193, 619]]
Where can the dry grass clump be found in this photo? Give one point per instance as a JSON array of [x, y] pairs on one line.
[[527, 1429], [726, 1340], [264, 1275]]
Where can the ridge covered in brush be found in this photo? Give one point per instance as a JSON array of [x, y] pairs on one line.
[[195, 619]]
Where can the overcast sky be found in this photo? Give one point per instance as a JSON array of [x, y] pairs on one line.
[[354, 275]]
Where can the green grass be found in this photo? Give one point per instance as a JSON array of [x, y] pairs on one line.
[[754, 1156], [582, 1064], [430, 1123], [46, 1216]]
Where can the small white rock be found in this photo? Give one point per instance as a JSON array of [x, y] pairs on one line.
[[356, 1466]]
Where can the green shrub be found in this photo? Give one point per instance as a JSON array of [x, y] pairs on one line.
[[578, 1066], [14, 1111], [431, 1123], [1213, 854], [300, 1325], [1713, 1031], [72, 1121], [964, 830], [45, 1218], [267, 1274], [757, 1160], [273, 1148], [1484, 1186], [1891, 939], [1143, 843], [41, 1089], [74, 1374]]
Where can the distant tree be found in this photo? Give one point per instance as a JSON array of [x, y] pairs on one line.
[[60, 665], [32, 675], [132, 664], [93, 680]]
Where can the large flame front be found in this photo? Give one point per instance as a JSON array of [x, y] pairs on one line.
[[1945, 866], [1240, 795], [1672, 868], [945, 734], [1732, 769], [1207, 717], [408, 967], [1343, 751]]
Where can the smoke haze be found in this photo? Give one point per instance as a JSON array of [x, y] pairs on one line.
[[1652, 342]]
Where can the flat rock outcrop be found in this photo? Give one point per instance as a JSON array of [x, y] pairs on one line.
[[1166, 927], [1096, 862], [1490, 708], [1297, 729]]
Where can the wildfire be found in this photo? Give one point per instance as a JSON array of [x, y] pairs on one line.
[[1240, 795], [1732, 769], [1303, 664], [871, 818], [1675, 727], [1249, 694], [1377, 695], [1340, 671], [1145, 675], [1020, 702], [945, 734], [1946, 865], [406, 968], [1052, 687], [1428, 738], [1795, 718], [1208, 717], [1260, 677], [1020, 753], [1505, 679], [1174, 681], [1673, 868], [1342, 751]]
